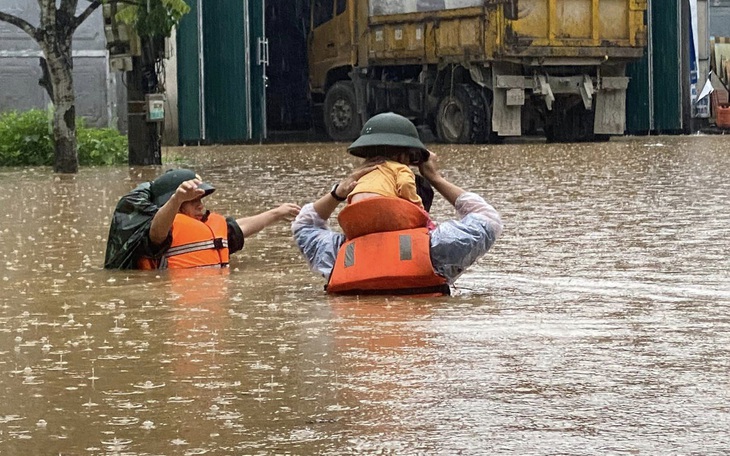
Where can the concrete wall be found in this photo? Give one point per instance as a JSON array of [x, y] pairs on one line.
[[100, 94], [720, 18], [170, 135]]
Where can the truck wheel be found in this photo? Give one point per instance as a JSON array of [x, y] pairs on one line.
[[340, 112], [460, 117], [490, 136]]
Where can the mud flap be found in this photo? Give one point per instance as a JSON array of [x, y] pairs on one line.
[[611, 106], [509, 97]]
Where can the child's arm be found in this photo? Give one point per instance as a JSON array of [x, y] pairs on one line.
[[405, 183]]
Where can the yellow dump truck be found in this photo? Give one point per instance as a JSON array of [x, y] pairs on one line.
[[476, 70]]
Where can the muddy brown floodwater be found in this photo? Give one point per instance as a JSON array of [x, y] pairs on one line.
[[598, 324]]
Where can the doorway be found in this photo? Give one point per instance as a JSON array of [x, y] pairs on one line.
[[287, 91], [242, 70]]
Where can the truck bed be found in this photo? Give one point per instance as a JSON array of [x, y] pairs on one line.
[[436, 31]]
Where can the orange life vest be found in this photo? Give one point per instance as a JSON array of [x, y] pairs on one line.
[[394, 258], [196, 243], [379, 214], [390, 262], [147, 263]]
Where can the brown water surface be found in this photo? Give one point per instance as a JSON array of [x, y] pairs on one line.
[[598, 324]]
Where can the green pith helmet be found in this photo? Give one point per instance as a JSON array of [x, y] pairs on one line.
[[165, 186], [387, 129]]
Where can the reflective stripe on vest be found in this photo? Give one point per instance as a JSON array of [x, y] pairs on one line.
[[386, 263], [196, 243], [217, 244]]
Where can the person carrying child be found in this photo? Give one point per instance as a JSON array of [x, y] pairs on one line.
[[387, 245]]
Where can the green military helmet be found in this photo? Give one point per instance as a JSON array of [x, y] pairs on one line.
[[164, 186], [387, 129]]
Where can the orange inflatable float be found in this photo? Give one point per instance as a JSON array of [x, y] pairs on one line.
[[387, 250]]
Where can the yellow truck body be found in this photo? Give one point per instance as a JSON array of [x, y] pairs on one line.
[[555, 65]]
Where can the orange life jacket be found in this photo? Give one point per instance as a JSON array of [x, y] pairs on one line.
[[378, 214], [393, 262], [394, 258], [195, 244]]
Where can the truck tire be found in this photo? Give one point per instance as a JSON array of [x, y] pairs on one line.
[[490, 136], [461, 116], [340, 112]]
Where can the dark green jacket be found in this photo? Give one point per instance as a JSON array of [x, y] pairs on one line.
[[129, 232]]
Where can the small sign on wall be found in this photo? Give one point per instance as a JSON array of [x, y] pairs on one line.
[[155, 107]]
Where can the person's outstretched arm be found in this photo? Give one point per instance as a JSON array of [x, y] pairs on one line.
[[326, 205], [162, 220], [255, 223]]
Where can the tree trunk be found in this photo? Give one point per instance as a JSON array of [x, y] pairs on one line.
[[54, 35], [64, 114]]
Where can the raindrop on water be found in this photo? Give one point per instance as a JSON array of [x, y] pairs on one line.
[[148, 425]]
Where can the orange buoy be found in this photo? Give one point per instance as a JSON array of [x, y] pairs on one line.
[[723, 115]]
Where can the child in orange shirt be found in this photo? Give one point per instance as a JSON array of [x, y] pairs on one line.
[[393, 176], [391, 143]]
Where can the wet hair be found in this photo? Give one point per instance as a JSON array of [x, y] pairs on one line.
[[392, 153], [425, 191], [423, 186]]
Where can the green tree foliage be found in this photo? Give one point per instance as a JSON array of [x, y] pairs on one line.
[[155, 18], [53, 32], [26, 139], [101, 146]]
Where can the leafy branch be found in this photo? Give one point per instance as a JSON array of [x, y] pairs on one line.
[[155, 18]]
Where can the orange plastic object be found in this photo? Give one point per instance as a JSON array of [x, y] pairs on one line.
[[723, 116], [380, 214]]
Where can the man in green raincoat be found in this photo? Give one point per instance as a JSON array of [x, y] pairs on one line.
[[141, 232]]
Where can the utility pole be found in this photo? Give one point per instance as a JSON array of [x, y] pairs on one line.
[[140, 56], [144, 105]]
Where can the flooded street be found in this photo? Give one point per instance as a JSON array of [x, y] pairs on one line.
[[598, 324]]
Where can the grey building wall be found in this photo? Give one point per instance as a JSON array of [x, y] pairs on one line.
[[170, 135], [100, 94], [720, 18]]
